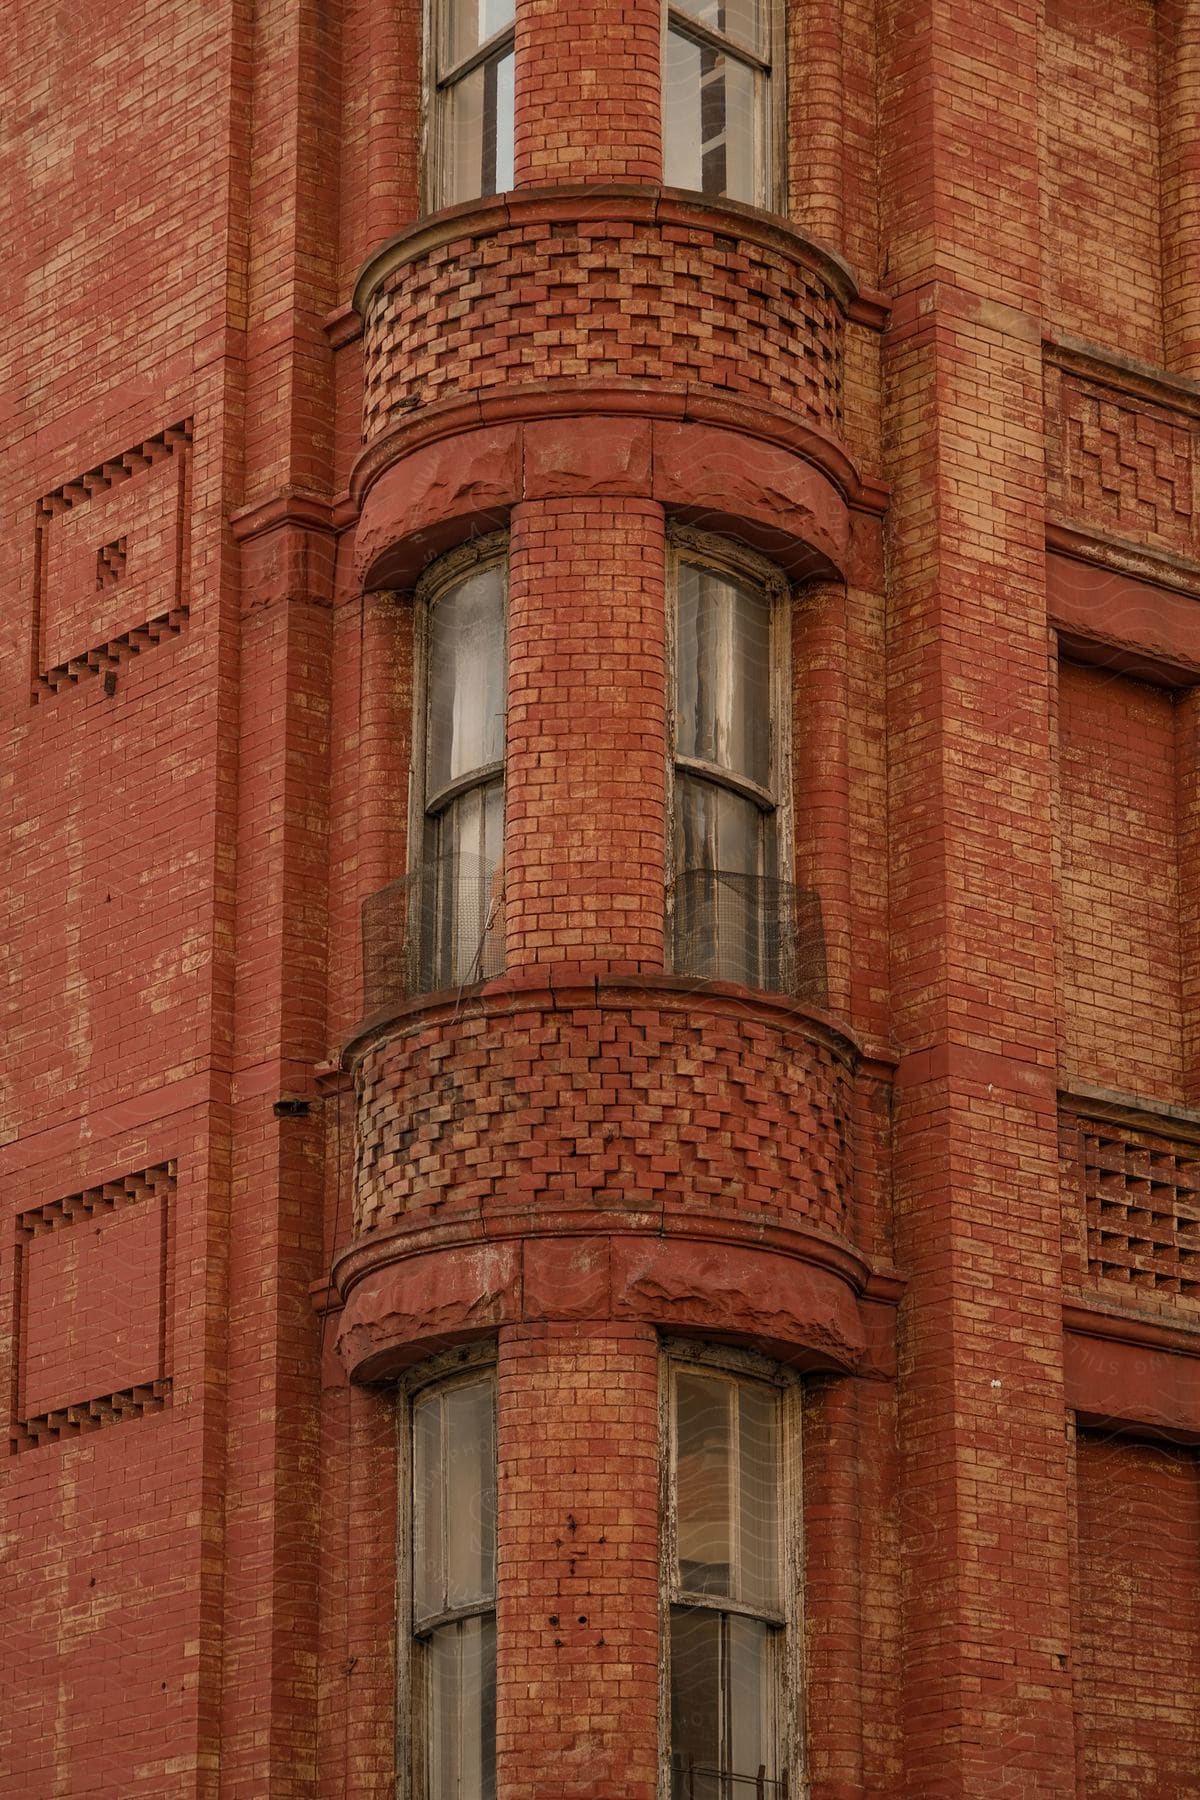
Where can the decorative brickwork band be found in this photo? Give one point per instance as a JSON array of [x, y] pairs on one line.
[[1137, 1199], [647, 1099], [636, 289], [1122, 450]]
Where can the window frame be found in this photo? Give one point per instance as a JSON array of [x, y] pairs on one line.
[[447, 572], [746, 1366], [436, 83], [454, 1368], [685, 545], [770, 151]]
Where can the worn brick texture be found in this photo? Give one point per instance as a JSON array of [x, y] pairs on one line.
[[1137, 1544], [1119, 941], [627, 296], [631, 1101], [584, 805]]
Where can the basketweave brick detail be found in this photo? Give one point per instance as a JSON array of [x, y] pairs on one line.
[[604, 299], [624, 1104], [1139, 1193], [92, 1307], [1127, 468]]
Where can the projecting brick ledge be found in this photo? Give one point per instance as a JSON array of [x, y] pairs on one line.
[[636, 285]]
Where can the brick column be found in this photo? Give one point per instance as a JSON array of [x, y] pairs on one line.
[[577, 1563], [1180, 89], [588, 93], [1187, 800], [984, 1521], [815, 102], [584, 806]]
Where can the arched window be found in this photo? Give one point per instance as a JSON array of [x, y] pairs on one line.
[[460, 768], [720, 99], [471, 83], [731, 1581], [728, 906], [452, 1654]]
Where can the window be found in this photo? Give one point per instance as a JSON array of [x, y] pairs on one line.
[[718, 120], [728, 1585], [457, 926], [453, 1601], [727, 903], [471, 58]]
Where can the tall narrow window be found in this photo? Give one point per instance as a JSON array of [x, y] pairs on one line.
[[718, 119], [454, 1590], [462, 778], [472, 61], [728, 906], [728, 1588]]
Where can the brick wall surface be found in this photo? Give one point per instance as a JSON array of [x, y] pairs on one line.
[[1119, 943], [1137, 1651], [208, 735]]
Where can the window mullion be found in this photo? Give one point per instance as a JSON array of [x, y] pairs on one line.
[[495, 46]]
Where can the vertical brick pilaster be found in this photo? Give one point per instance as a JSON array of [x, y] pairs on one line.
[[1179, 52], [833, 1571], [584, 800], [986, 1686], [588, 93], [577, 1563], [821, 780], [1187, 795], [816, 171]]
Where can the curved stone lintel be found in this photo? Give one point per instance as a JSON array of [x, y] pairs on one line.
[[441, 493], [800, 1309]]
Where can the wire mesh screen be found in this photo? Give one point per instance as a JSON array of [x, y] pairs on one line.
[[440, 927], [752, 929]]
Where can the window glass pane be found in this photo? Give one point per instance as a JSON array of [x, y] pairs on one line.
[[758, 1574], [470, 1462], [748, 1651], [745, 20], [461, 1724], [466, 679], [695, 1703], [462, 927], [716, 829], [703, 1446], [723, 673], [469, 23], [476, 151], [709, 121], [429, 1559]]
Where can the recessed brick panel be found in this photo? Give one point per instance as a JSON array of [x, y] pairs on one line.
[[93, 1290], [112, 568], [1137, 1630]]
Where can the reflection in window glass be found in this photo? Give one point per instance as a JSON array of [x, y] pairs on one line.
[[711, 121], [473, 99], [743, 20], [728, 909], [727, 1626], [459, 927], [454, 1587]]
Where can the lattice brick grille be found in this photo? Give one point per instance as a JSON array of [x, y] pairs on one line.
[[1142, 1208]]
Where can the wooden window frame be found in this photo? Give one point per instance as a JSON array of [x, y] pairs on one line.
[[454, 1368], [745, 1366], [467, 559], [437, 82], [687, 545], [770, 117]]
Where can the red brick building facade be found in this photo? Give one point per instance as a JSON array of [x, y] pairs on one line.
[[600, 1083]]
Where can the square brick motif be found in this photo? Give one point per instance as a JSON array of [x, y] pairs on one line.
[[94, 1292], [112, 568]]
